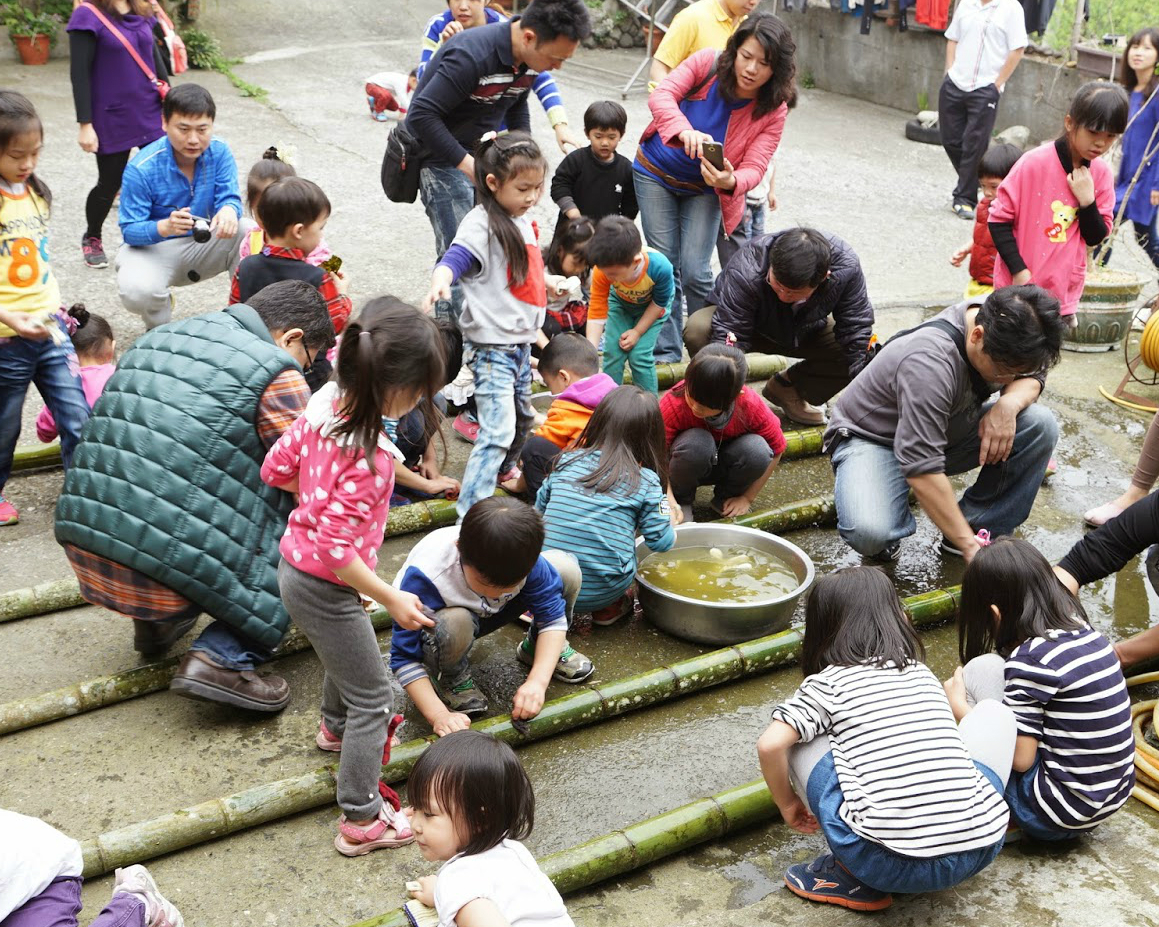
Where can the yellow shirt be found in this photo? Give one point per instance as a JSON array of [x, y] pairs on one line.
[[26, 280], [705, 24]]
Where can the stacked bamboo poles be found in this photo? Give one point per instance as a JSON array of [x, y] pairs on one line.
[[91, 694], [644, 842], [404, 519], [1144, 714], [761, 367], [268, 802]]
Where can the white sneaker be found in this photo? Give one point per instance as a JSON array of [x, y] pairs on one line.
[[159, 911]]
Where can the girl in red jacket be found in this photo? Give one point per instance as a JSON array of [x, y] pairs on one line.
[[719, 433], [992, 169]]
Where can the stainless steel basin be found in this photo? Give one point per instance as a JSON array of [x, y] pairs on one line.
[[725, 622]]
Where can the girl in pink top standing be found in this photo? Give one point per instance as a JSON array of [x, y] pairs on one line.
[[96, 349], [1058, 200], [339, 457]]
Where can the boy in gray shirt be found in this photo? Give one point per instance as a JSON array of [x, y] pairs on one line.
[[922, 412]]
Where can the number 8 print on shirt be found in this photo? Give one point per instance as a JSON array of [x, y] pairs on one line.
[[26, 280]]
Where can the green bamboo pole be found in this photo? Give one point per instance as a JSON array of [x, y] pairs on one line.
[[36, 457], [273, 800], [91, 694], [644, 842], [53, 596]]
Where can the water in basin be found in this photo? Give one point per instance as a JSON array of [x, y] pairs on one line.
[[719, 574]]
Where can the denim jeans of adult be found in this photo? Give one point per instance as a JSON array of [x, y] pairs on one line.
[[448, 196], [683, 229], [447, 648], [752, 225], [503, 400], [55, 372], [228, 647], [966, 120], [872, 494]]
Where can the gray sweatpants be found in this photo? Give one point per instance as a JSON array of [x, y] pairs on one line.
[[357, 701], [146, 272], [988, 731], [696, 460]]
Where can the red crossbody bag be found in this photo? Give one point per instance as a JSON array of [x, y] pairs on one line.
[[162, 86]]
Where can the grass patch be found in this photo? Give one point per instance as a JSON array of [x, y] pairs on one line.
[[205, 53]]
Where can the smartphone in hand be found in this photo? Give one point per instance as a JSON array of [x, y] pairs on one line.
[[713, 153]]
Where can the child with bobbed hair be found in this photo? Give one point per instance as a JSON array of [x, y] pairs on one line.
[[472, 805], [719, 433]]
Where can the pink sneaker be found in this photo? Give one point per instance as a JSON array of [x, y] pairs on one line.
[[391, 829], [327, 741], [8, 513], [159, 911], [466, 428], [507, 476]]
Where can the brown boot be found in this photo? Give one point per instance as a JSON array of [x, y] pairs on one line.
[[200, 678], [780, 392]]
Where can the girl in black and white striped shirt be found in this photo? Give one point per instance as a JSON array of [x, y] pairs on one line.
[[907, 801], [1074, 754]]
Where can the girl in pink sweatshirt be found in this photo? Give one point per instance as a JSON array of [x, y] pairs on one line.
[[339, 457], [1058, 200], [96, 350]]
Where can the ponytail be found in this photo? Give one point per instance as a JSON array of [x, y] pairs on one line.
[[504, 157]]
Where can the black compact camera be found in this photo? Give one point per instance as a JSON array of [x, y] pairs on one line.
[[201, 233]]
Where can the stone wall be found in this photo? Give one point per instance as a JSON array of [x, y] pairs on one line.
[[895, 69], [615, 26]]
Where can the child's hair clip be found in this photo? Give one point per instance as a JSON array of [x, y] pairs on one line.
[[488, 136], [287, 154]]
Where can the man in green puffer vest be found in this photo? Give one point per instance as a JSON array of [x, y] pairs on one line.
[[164, 515]]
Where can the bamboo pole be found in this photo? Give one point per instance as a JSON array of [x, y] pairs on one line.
[[644, 842], [261, 804], [404, 519], [91, 694], [36, 457]]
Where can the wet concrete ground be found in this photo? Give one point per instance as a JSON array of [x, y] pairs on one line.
[[845, 167]]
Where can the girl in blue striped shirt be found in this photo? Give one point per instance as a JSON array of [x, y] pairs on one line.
[[1025, 639], [613, 486]]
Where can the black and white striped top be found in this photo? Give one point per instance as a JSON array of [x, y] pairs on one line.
[[1067, 691], [908, 781]]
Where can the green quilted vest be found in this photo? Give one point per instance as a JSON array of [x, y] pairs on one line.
[[166, 479]]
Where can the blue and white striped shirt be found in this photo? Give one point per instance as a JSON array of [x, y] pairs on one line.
[[1067, 691], [600, 528]]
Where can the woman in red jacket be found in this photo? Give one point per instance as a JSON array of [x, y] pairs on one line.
[[738, 99]]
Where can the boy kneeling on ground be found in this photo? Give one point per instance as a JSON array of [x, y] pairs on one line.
[[475, 578]]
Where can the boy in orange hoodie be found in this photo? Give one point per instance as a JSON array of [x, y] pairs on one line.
[[570, 366]]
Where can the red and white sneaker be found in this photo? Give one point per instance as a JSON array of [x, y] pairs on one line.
[[466, 427], [8, 513], [159, 911], [327, 741], [610, 614]]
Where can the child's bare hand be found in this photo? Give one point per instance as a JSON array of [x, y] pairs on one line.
[[450, 722], [797, 816], [425, 893], [454, 27], [438, 291], [28, 326], [1021, 278], [1082, 184], [528, 701], [341, 281], [447, 485], [406, 610], [960, 255], [629, 339], [736, 506]]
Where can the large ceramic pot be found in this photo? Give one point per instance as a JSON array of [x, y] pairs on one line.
[[1109, 302], [720, 623], [33, 49]]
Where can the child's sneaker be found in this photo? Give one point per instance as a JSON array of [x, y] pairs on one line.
[[609, 615], [827, 880], [391, 829], [1051, 468], [466, 697], [466, 427], [573, 666], [327, 741], [510, 476], [8, 513], [159, 911], [93, 251]]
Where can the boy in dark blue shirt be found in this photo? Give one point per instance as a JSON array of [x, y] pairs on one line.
[[596, 181]]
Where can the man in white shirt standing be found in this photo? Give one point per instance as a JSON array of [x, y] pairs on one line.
[[984, 44]]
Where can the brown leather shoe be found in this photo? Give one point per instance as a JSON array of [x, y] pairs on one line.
[[780, 392], [198, 678]]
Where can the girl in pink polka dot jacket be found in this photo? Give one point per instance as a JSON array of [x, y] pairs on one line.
[[339, 457]]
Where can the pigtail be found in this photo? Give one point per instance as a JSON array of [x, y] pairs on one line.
[[502, 157]]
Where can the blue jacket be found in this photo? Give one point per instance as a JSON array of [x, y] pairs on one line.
[[153, 186]]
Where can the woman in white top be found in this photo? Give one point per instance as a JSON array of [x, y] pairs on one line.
[[472, 804], [907, 801]]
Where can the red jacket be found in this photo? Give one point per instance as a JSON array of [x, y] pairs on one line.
[[749, 144], [983, 253], [751, 416]]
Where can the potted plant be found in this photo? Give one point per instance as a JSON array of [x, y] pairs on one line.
[[31, 27]]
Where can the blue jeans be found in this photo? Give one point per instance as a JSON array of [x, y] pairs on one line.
[[228, 647], [503, 397], [1026, 810], [448, 196], [872, 495], [55, 371], [878, 867], [683, 229]]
